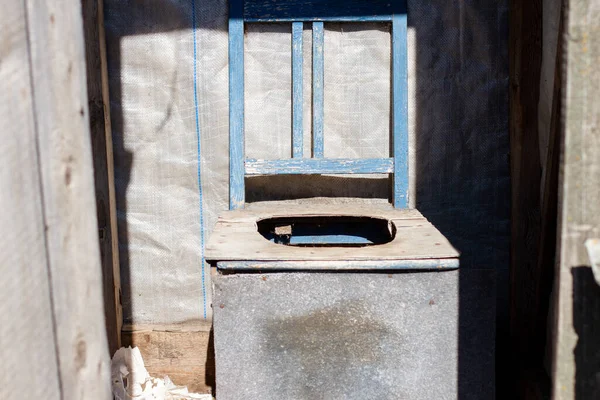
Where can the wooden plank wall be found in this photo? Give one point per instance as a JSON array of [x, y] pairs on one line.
[[52, 334], [577, 330], [533, 210], [99, 109]]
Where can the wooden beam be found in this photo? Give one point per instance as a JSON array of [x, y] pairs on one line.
[[400, 107], [297, 99], [385, 265], [577, 348], [101, 135], [237, 190], [318, 71]]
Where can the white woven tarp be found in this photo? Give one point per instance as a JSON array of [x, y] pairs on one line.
[[169, 85]]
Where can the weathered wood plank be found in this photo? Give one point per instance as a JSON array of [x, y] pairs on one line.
[[400, 108], [280, 209], [577, 348], [366, 18], [100, 130], [320, 166], [297, 99], [58, 78], [317, 87], [236, 237], [27, 332], [407, 265], [318, 10], [236, 105], [185, 355]]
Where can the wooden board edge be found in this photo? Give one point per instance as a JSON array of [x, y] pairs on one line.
[[102, 155]]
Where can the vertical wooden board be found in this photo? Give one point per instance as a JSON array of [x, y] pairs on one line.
[[317, 100], [236, 105], [525, 43], [297, 99], [27, 338], [101, 139], [400, 110], [577, 348], [61, 112]]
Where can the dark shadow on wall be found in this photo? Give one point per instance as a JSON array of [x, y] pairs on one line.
[[462, 167], [462, 171], [586, 321]]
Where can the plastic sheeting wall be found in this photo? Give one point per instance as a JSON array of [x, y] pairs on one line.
[[169, 104]]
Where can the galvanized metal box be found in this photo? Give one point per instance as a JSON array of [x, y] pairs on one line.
[[329, 314]]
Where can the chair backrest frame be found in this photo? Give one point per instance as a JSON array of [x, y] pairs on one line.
[[298, 12]]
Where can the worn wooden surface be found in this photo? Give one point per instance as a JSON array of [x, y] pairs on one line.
[[52, 337], [320, 166], [317, 207], [27, 337], [59, 83], [408, 265], [99, 109], [184, 353], [577, 347], [297, 98], [236, 237], [237, 192], [400, 107], [318, 76]]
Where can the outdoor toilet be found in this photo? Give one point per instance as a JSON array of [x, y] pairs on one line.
[[353, 300]]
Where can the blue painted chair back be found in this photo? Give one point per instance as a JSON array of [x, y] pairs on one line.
[[316, 12]]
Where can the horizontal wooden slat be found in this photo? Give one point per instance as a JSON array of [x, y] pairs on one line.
[[320, 166], [315, 208], [381, 265], [368, 18], [319, 10]]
